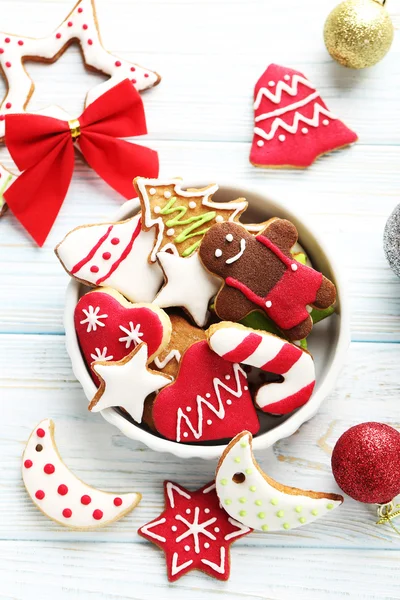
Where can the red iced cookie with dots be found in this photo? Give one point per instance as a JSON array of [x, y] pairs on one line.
[[194, 532], [59, 494], [293, 126]]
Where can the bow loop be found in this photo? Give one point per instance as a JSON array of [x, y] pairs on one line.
[[43, 148]]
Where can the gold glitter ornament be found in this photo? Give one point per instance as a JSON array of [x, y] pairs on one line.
[[358, 33]]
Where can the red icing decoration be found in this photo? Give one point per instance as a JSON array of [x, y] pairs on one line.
[[146, 74], [1, 50], [58, 35], [43, 148], [70, 23], [194, 521], [365, 463], [117, 63], [40, 495], [27, 464], [49, 469], [117, 501], [90, 42], [133, 80], [133, 69], [198, 369], [20, 43], [86, 500], [299, 149], [84, 26], [106, 255], [92, 252], [124, 254], [97, 514], [41, 432], [115, 241], [94, 269], [7, 40], [62, 490], [2, 117], [8, 65], [80, 10], [108, 336], [67, 513], [8, 105]]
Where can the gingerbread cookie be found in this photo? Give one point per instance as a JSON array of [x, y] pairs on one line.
[[253, 498], [293, 126], [127, 383], [181, 217], [183, 336], [80, 25], [194, 532], [209, 400], [269, 353], [109, 327], [59, 494], [113, 255], [259, 272]]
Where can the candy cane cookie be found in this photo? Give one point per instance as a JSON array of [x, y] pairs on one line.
[[261, 349]]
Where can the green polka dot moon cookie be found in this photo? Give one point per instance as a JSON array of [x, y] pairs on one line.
[[254, 499]]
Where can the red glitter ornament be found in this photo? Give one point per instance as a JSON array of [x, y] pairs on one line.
[[366, 463]]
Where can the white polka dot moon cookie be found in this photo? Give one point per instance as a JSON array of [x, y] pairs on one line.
[[80, 25], [59, 494], [253, 498]]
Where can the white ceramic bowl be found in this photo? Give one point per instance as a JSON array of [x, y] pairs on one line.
[[328, 342]]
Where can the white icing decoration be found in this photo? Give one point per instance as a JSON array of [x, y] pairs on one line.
[[286, 77], [128, 384], [160, 538], [192, 204], [219, 411], [300, 374], [209, 422], [19, 83], [271, 83], [239, 254], [152, 191], [173, 354], [177, 568], [267, 490], [304, 130], [93, 319], [218, 253], [276, 96], [101, 354], [229, 237], [293, 266], [188, 285], [218, 568], [195, 528], [203, 195], [167, 195], [219, 219], [157, 209], [268, 304], [170, 487], [133, 277], [325, 122], [298, 118], [53, 503], [187, 548], [281, 138], [170, 232], [133, 335], [260, 143]]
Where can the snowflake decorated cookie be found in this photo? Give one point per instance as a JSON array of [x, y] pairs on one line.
[[109, 327], [259, 273], [209, 399], [293, 126], [80, 25], [113, 255], [59, 494], [194, 532], [256, 500]]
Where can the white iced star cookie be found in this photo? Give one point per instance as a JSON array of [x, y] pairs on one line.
[[187, 285], [256, 500], [127, 383], [6, 179], [80, 25]]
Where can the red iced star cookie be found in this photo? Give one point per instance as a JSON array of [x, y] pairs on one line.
[[194, 532]]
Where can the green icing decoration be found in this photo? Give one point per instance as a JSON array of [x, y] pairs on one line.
[[194, 223], [329, 506], [252, 488], [228, 502], [302, 520], [298, 509], [237, 459], [264, 527], [243, 444], [314, 512], [224, 481], [286, 526], [280, 513], [242, 500], [249, 471], [242, 513], [258, 502], [274, 501], [261, 515]]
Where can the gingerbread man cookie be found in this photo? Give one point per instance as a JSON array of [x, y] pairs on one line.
[[259, 272]]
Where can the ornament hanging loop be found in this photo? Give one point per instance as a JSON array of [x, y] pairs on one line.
[[386, 513]]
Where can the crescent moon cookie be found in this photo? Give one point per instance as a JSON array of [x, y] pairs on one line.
[[114, 255], [293, 126], [80, 25], [259, 273], [269, 353], [252, 497], [194, 532], [127, 383], [59, 494], [109, 327]]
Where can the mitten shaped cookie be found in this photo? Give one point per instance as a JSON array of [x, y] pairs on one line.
[[259, 272]]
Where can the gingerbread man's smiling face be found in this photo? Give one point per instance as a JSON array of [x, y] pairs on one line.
[[223, 245]]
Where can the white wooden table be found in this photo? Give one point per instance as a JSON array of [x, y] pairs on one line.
[[210, 53]]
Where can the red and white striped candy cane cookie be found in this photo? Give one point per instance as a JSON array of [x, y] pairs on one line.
[[261, 349]]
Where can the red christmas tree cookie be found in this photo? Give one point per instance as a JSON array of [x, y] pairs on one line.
[[293, 126], [194, 532]]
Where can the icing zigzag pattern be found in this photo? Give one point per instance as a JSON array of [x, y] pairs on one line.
[[298, 118], [219, 411], [281, 86]]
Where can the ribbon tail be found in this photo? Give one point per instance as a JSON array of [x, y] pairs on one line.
[[36, 196], [118, 162]]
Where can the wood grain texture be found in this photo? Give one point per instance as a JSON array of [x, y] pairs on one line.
[[210, 53]]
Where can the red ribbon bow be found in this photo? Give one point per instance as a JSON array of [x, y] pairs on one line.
[[43, 148]]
